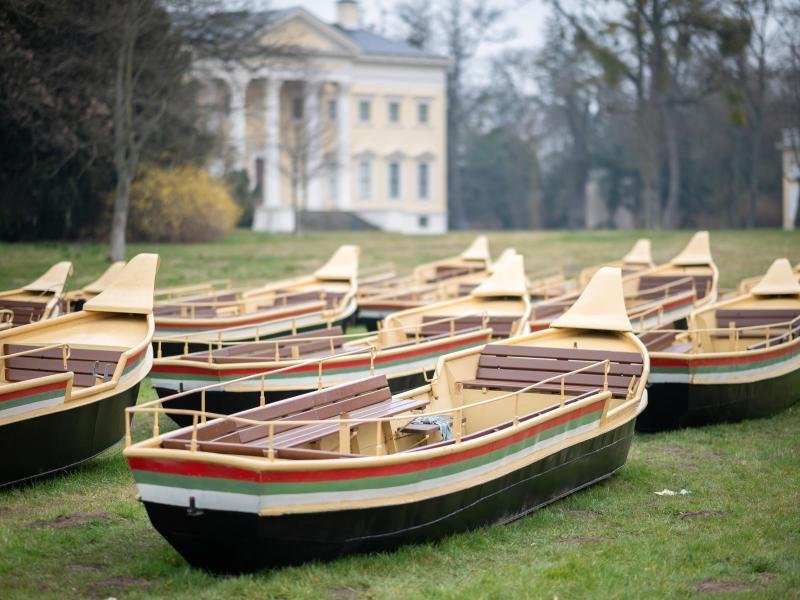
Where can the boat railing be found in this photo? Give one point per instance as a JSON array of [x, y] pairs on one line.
[[280, 300], [789, 329], [182, 290], [6, 315], [376, 272], [220, 343], [667, 286], [345, 422], [65, 353], [643, 314]]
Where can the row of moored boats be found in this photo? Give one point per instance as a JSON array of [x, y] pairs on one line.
[[475, 395]]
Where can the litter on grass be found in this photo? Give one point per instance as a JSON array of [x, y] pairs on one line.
[[666, 492]]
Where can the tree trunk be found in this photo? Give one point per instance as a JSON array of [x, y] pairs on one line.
[[535, 193], [456, 205], [125, 151], [649, 160], [119, 218], [670, 218]]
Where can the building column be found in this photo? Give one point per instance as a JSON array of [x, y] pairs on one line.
[[314, 166], [271, 192], [343, 161], [238, 123]]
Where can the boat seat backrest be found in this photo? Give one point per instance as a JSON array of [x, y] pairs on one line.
[[289, 298], [742, 317], [682, 283], [88, 365], [265, 351], [657, 340], [24, 311], [502, 326], [507, 367], [171, 310], [450, 271], [465, 289], [550, 309]]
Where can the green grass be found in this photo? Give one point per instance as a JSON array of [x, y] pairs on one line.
[[614, 540]]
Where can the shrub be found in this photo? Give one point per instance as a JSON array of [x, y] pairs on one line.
[[183, 204]]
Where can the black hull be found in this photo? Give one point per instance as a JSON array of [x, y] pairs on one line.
[[678, 405], [56, 441], [228, 542], [228, 403]]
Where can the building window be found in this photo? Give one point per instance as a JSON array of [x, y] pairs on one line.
[[363, 111], [423, 221], [297, 109], [394, 112], [394, 180], [364, 179], [423, 112], [332, 109], [423, 180]]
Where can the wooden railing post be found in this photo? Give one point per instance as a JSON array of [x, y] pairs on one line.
[[203, 405], [344, 434], [271, 446], [261, 397], [193, 442]]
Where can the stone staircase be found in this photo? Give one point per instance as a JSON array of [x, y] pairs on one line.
[[311, 220]]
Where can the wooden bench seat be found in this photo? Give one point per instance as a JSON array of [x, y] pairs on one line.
[[502, 326], [657, 340], [677, 283], [448, 272], [88, 365], [265, 351], [331, 299], [506, 367], [24, 311], [741, 317], [171, 310], [368, 398], [507, 424], [552, 310]]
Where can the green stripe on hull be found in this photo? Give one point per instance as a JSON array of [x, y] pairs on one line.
[[253, 488]]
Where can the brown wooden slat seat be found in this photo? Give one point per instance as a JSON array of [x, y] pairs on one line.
[[657, 340], [448, 272], [83, 362], [682, 283], [506, 367], [464, 289], [502, 326], [754, 316], [264, 351], [24, 311], [199, 311], [543, 311], [507, 424], [366, 398]]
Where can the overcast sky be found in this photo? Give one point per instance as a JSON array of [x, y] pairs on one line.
[[524, 19]]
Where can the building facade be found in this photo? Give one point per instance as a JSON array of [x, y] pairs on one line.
[[356, 125]]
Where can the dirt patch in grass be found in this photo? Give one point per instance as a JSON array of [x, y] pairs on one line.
[[116, 584], [585, 540], [83, 568], [688, 458], [581, 513], [73, 520], [712, 586], [344, 593], [700, 513]]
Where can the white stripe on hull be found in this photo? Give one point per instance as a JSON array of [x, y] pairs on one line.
[[286, 503]]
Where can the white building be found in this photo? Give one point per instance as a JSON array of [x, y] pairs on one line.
[[356, 127]]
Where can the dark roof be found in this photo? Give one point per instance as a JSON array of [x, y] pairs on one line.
[[371, 43], [233, 25]]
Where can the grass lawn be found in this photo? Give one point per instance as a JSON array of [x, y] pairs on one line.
[[737, 534]]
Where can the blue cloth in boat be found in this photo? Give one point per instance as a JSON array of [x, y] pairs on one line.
[[442, 423]]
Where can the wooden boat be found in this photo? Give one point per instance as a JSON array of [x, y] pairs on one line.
[[76, 299], [323, 299], [429, 282], [739, 359], [404, 351], [40, 299], [501, 430], [66, 381], [639, 258], [659, 296]]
